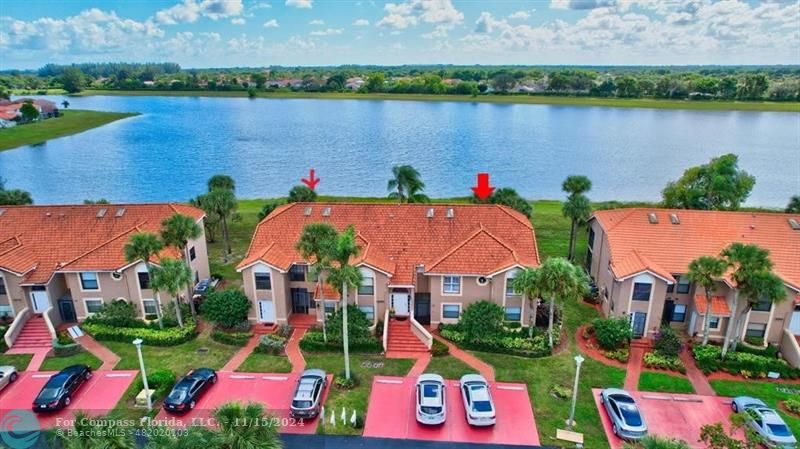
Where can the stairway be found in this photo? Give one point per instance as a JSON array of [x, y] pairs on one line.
[[402, 339], [34, 335]]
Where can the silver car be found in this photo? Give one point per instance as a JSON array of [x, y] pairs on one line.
[[765, 421], [478, 403], [431, 400], [626, 419], [307, 399], [8, 374]]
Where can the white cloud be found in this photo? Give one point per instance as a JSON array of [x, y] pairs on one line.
[[302, 4], [260, 5], [191, 10], [520, 15], [361, 23], [581, 4], [328, 32], [317, 22], [238, 21], [272, 23], [440, 13]]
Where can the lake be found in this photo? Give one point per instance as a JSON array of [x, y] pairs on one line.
[[267, 145]]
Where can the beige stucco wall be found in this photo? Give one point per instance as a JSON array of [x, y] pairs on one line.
[[200, 265], [15, 296]]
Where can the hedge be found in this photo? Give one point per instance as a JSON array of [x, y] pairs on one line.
[[231, 338], [658, 360], [514, 345], [62, 349], [314, 342], [439, 349], [709, 359], [271, 344], [160, 381], [153, 337]]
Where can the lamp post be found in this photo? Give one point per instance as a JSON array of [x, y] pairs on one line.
[[138, 343], [578, 361]]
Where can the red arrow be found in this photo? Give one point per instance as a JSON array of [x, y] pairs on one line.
[[483, 190], [311, 182]]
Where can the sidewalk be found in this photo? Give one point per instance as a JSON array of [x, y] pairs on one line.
[[696, 377], [486, 370], [241, 355], [293, 350], [634, 369], [105, 355]]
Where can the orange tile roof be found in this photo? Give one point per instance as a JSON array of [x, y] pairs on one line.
[[396, 238], [37, 241], [328, 292], [719, 305], [669, 248]]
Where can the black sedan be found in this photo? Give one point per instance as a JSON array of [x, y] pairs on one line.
[[57, 393], [188, 390]]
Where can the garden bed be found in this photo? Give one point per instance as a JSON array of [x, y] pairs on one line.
[[746, 363], [587, 343]]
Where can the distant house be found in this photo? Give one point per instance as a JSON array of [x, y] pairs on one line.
[[8, 115], [149, 83], [354, 83], [9, 110]]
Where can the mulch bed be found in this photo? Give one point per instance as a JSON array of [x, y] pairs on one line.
[[723, 375], [592, 349]]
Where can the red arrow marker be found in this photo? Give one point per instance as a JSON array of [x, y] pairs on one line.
[[311, 182], [483, 190]]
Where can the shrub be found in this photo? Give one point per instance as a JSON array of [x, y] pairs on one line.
[[516, 343], [284, 330], [160, 381], [658, 360], [343, 383], [154, 337], [709, 359], [561, 392], [117, 314], [231, 338], [620, 355], [357, 325], [587, 332], [792, 405], [63, 338], [482, 320], [770, 351], [754, 341], [267, 209], [439, 349], [168, 316], [271, 344], [612, 333], [667, 342], [65, 349], [226, 308]]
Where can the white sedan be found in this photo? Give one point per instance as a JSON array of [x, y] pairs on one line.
[[8, 374], [431, 403], [478, 403]]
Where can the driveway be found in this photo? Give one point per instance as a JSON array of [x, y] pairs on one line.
[[96, 397], [391, 414], [273, 390], [674, 415]]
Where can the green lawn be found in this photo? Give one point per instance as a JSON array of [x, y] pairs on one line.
[[72, 122], [53, 363], [365, 367], [650, 103], [265, 363], [449, 367], [664, 383], [19, 361], [767, 392]]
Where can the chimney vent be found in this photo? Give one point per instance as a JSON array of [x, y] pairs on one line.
[[2, 211]]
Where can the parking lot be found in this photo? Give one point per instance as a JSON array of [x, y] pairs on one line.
[[273, 390], [674, 415], [391, 414], [96, 397]]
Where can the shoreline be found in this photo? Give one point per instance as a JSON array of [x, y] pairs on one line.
[[495, 99], [72, 121]]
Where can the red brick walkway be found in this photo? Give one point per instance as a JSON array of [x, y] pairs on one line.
[[422, 361], [696, 377], [105, 355], [242, 355], [634, 368], [39, 354], [293, 350], [484, 368]]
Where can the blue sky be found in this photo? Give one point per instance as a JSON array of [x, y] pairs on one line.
[[220, 33]]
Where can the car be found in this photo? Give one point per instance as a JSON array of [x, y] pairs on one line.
[[627, 421], [189, 390], [8, 374], [59, 390], [307, 398], [431, 401], [477, 398], [765, 421]]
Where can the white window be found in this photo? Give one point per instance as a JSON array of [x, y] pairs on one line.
[[510, 282], [89, 281], [93, 305], [451, 311], [513, 313], [367, 283], [678, 313], [714, 323], [5, 311], [684, 284], [451, 285], [369, 311], [150, 306]]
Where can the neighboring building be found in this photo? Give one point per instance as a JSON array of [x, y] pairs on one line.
[[424, 261], [639, 259], [10, 110], [69, 260], [354, 83]]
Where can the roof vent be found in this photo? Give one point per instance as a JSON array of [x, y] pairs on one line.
[[429, 214], [794, 224], [326, 212], [674, 219], [120, 212], [307, 211], [2, 211], [101, 213], [652, 218], [47, 214], [450, 212]]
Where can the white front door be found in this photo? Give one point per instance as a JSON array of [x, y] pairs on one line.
[[794, 324], [400, 304], [266, 312], [40, 301]]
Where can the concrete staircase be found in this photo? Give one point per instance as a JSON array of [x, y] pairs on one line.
[[402, 339], [34, 335]]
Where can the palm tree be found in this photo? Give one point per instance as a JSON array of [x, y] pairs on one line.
[[406, 185], [65, 104], [525, 283], [176, 231], [753, 278], [343, 275], [95, 433], [705, 271], [221, 182], [221, 204], [144, 246], [794, 205], [577, 207], [171, 276], [244, 427], [316, 245]]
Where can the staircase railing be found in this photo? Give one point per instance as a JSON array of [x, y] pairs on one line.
[[421, 333], [49, 321], [16, 326], [386, 330]]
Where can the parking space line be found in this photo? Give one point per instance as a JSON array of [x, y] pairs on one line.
[[389, 381], [506, 387], [240, 377], [279, 378], [112, 375]]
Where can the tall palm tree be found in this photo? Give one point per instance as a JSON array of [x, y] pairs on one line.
[[144, 246], [221, 203], [406, 185], [221, 182], [176, 231], [316, 245], [245, 427], [753, 278], [577, 207], [343, 275], [171, 277], [705, 271], [525, 283]]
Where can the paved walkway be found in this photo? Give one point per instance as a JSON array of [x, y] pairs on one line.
[[423, 359], [293, 350], [486, 370], [241, 355], [634, 368], [39, 354], [105, 355], [696, 376]]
